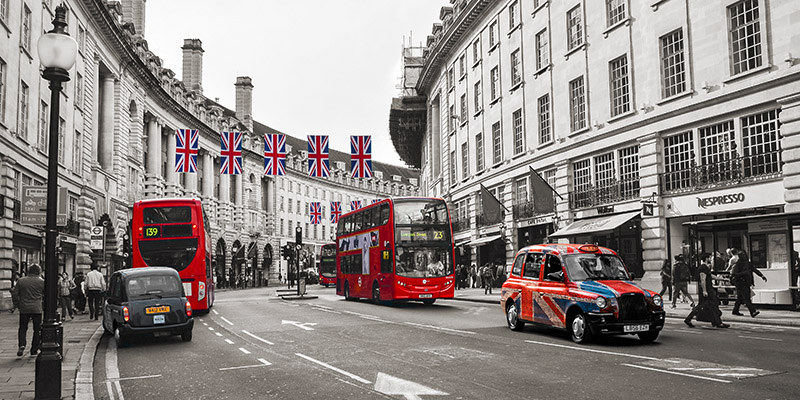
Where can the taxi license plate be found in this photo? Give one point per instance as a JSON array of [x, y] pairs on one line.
[[156, 310], [425, 296], [158, 319], [636, 328]]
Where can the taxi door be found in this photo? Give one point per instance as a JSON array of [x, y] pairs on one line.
[[552, 294], [530, 279]]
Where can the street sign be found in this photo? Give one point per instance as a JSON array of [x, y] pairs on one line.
[[96, 236], [34, 206]]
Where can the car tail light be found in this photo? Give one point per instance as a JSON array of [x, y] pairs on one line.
[[125, 314], [201, 290], [188, 309]]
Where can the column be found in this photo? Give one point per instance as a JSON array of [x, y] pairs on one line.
[[208, 175], [654, 228], [224, 199], [790, 151], [6, 231], [172, 189], [154, 184], [238, 218], [191, 181], [106, 137]]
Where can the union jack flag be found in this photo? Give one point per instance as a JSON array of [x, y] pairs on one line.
[[230, 156], [361, 156], [375, 201], [355, 205], [315, 209], [186, 148], [274, 154], [336, 211], [318, 163]]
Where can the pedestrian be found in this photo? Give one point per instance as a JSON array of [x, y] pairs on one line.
[[79, 293], [27, 295], [473, 274], [488, 279], [742, 277], [680, 280], [95, 286], [708, 301], [666, 279], [65, 286]]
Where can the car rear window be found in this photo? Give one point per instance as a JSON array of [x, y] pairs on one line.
[[153, 286]]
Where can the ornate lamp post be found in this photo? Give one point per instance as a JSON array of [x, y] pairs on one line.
[[57, 53]]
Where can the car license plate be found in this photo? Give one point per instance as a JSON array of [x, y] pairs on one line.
[[425, 296], [156, 310], [158, 319], [636, 328]]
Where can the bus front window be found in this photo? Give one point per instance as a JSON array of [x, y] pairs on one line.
[[420, 212], [421, 262]]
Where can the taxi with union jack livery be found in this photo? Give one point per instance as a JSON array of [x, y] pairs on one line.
[[584, 289]]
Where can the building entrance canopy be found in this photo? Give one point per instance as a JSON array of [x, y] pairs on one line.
[[482, 241], [592, 225]]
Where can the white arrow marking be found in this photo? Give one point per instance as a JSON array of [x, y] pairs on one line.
[[299, 324], [391, 385]]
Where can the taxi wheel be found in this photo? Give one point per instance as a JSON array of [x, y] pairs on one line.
[[649, 337], [579, 328], [186, 336], [119, 337], [512, 318]]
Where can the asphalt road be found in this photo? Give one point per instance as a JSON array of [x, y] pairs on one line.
[[255, 345]]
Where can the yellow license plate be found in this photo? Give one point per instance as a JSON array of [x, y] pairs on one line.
[[156, 310]]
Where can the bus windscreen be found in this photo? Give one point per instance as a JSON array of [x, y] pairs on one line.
[[423, 262], [166, 215]]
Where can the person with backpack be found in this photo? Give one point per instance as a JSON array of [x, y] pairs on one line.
[[681, 275]]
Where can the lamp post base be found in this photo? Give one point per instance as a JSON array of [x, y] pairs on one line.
[[48, 362]]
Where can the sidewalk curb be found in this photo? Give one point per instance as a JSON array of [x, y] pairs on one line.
[[84, 386]]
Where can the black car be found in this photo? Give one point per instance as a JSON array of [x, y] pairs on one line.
[[147, 301]]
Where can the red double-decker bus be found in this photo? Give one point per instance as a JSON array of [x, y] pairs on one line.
[[327, 265], [396, 249], [175, 233]]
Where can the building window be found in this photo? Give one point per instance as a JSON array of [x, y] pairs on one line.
[[2, 89], [717, 143], [22, 118], [582, 183], [478, 97], [450, 78], [479, 152], [463, 108], [307, 232], [453, 116], [464, 160], [745, 36], [282, 227], [678, 160], [25, 35], [453, 167], [615, 11], [492, 35], [519, 132], [604, 178], [761, 144], [513, 19], [73, 207], [476, 50], [41, 141], [673, 69], [78, 90], [290, 206], [4, 11], [577, 104], [497, 144], [61, 133], [77, 156], [542, 49], [574, 28], [522, 191], [81, 38], [291, 226], [545, 130], [516, 75], [620, 86], [462, 68], [495, 85], [629, 172]]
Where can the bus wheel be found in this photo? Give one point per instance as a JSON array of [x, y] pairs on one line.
[[428, 302], [347, 291], [376, 293]]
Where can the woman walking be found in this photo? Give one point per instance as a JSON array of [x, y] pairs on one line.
[[666, 279], [65, 286]]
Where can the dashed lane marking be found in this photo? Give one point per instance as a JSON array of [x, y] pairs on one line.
[[256, 337], [228, 341], [133, 378], [687, 331], [243, 350], [215, 312], [226, 320], [210, 328], [205, 323], [332, 368], [439, 328], [594, 350], [761, 338], [677, 373], [217, 333]]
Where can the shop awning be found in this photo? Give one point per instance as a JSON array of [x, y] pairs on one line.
[[597, 224], [744, 219], [482, 241]]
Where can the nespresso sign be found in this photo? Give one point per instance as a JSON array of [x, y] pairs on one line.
[[713, 201]]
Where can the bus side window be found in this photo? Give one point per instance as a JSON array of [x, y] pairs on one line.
[[348, 224], [384, 214], [375, 217]]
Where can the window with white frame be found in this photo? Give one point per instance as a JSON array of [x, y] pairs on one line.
[[620, 86], [291, 226], [577, 104], [521, 196], [4, 11], [290, 206], [463, 108], [542, 49], [615, 11], [493, 35], [678, 159], [629, 172], [519, 132], [513, 15], [22, 117], [497, 143], [464, 160], [476, 50], [2, 89], [761, 147], [77, 154], [516, 68], [73, 207], [25, 34], [453, 167], [745, 36], [78, 90], [494, 90], [462, 68], [41, 141], [604, 178], [550, 177], [478, 97], [581, 183], [450, 78], [717, 143], [479, 152], [673, 68], [574, 28], [81, 38], [283, 232], [451, 121], [545, 129]]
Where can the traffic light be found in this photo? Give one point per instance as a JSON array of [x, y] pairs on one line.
[[298, 236]]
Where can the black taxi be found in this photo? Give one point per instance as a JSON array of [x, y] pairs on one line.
[[147, 301], [583, 289]]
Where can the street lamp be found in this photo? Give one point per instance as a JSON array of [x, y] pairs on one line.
[[57, 53]]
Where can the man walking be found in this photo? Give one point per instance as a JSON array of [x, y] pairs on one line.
[[742, 277], [95, 286], [680, 279], [487, 274], [27, 296]]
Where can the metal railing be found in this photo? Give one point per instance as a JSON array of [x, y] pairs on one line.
[[460, 225], [724, 173], [612, 192], [525, 210]]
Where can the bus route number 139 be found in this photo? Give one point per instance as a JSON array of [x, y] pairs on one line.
[[152, 232]]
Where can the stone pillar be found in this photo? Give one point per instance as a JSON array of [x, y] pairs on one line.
[[238, 218], [172, 189], [106, 136], [790, 151], [224, 200], [191, 182], [6, 230], [207, 191], [654, 228], [154, 183]]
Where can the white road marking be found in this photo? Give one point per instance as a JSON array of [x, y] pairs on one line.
[[439, 328], [134, 377], [676, 373], [689, 331], [256, 337], [210, 328], [243, 350], [228, 341], [331, 367], [217, 333], [390, 385], [112, 370], [302, 325], [325, 309], [761, 338], [215, 312], [226, 320], [598, 351], [205, 323], [110, 390], [264, 363], [201, 320]]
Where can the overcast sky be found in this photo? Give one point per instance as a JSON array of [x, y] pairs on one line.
[[326, 67]]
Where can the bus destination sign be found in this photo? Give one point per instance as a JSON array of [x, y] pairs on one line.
[[407, 235], [152, 232]]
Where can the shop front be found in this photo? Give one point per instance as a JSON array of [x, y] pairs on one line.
[[534, 231]]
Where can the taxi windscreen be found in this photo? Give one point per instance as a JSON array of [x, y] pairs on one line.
[[586, 267], [153, 286]]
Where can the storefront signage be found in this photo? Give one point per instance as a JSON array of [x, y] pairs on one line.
[[605, 209], [726, 199], [713, 201], [768, 226], [68, 239]]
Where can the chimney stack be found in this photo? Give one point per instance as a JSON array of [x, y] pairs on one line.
[[244, 100], [133, 11], [193, 64]]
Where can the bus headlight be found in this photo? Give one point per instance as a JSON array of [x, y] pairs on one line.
[[201, 290]]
